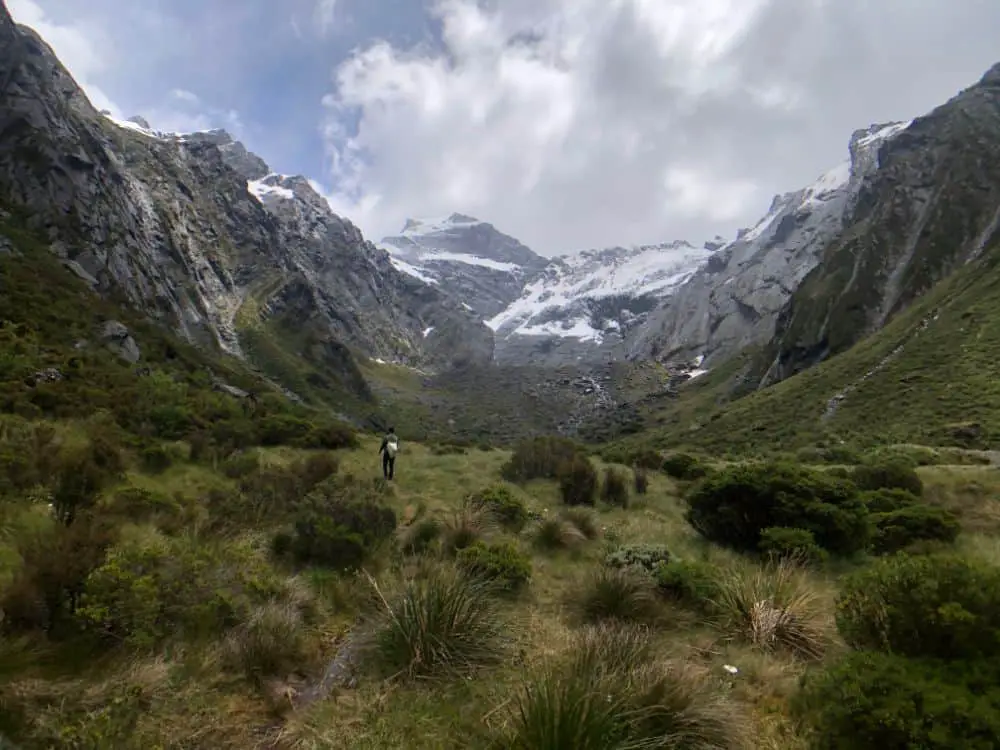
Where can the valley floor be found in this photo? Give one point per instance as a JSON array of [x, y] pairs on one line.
[[166, 692]]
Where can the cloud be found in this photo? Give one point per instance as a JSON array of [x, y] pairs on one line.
[[324, 15], [583, 123]]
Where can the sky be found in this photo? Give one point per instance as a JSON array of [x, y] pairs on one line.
[[569, 124]]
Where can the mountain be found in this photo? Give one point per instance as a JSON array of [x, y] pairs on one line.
[[932, 207], [584, 305], [734, 299], [468, 259], [196, 232]]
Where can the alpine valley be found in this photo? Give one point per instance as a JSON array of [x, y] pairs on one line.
[[451, 321]]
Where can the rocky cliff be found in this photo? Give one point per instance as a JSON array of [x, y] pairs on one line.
[[734, 299], [196, 232], [931, 207]]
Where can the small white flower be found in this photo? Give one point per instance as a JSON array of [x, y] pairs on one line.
[[730, 668]]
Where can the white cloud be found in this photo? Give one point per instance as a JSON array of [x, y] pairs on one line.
[[581, 123]]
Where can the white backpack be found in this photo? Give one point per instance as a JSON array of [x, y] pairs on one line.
[[392, 446]]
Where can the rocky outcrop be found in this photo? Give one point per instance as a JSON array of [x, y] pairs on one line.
[[171, 222], [931, 207], [734, 299]]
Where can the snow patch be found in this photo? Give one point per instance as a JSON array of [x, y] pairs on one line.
[[266, 188], [427, 331], [411, 270]]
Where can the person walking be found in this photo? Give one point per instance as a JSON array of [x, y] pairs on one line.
[[389, 449]]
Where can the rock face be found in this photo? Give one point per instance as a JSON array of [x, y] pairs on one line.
[[584, 307], [466, 258], [195, 231], [932, 206], [734, 299]]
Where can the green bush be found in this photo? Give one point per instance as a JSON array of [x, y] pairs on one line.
[[798, 544], [583, 520], [442, 624], [689, 582], [500, 501], [614, 488], [888, 500], [557, 533], [644, 557], [540, 458], [940, 606], [82, 474], [241, 464], [899, 529], [888, 476], [147, 590], [643, 458], [270, 643], [683, 466], [872, 700], [578, 482], [735, 505], [502, 563]]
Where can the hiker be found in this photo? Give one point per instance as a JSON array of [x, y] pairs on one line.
[[389, 449]]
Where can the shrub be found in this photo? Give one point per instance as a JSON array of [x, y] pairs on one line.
[[734, 506], [888, 476], [443, 624], [82, 474], [330, 436], [940, 606], [688, 582], [578, 482], [138, 504], [614, 488], [888, 500], [148, 589], [502, 563], [902, 528], [779, 542], [421, 536], [772, 608], [619, 594], [645, 558], [341, 525], [644, 458], [640, 480], [557, 533], [880, 700], [241, 464], [540, 458], [502, 504], [56, 562], [612, 693], [683, 466]]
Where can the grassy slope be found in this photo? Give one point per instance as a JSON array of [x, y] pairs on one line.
[[941, 382]]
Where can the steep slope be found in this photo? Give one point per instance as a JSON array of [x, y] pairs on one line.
[[927, 377], [169, 222], [466, 258], [734, 299], [583, 306], [932, 206]]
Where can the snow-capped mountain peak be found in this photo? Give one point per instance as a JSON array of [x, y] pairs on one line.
[[468, 258]]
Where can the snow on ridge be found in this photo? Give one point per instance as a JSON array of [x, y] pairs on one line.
[[410, 270], [884, 133], [421, 227], [635, 272], [269, 187]]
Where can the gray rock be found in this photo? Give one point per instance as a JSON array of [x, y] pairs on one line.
[[118, 338], [6, 246]]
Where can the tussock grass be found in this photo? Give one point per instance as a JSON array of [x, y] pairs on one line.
[[774, 607], [611, 695], [555, 533], [441, 624], [617, 594]]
